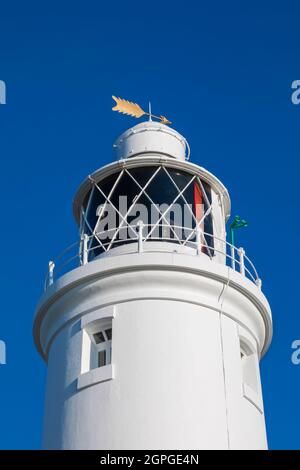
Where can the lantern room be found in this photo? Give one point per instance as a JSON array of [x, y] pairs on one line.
[[152, 188]]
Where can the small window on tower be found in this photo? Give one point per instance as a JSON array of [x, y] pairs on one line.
[[96, 359], [249, 366], [101, 339]]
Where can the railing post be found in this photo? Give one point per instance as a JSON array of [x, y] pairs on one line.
[[258, 282], [242, 260], [85, 251], [51, 267], [232, 249], [140, 225], [198, 240]]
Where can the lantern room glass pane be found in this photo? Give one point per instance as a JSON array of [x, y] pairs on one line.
[[136, 198]]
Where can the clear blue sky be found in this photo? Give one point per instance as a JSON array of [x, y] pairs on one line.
[[222, 72]]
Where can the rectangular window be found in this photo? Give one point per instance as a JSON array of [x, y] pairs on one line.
[[101, 340], [249, 366]]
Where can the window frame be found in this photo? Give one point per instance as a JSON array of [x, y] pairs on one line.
[[250, 374], [90, 324], [105, 345]]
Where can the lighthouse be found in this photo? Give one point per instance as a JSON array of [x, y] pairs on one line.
[[152, 324]]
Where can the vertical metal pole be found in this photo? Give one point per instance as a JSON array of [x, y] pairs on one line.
[[232, 249], [198, 239], [85, 252], [242, 261], [140, 235], [51, 267]]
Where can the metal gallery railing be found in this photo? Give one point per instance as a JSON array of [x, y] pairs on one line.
[[87, 249]]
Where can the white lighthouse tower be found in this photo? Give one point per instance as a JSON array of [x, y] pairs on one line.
[[152, 325]]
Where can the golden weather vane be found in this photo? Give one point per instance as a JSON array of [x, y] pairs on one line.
[[133, 109]]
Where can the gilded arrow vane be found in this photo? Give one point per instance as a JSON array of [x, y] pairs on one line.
[[134, 109]]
